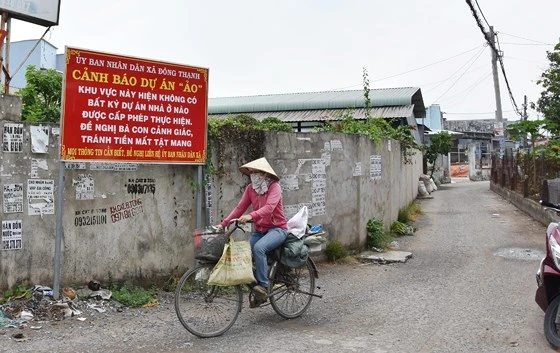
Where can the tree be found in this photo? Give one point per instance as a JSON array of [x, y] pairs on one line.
[[519, 131], [549, 102], [41, 97], [440, 144]]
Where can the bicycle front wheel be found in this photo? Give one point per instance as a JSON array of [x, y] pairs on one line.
[[204, 310], [291, 289]]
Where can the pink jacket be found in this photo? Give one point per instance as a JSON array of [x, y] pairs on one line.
[[268, 211]]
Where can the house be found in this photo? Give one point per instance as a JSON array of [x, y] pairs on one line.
[[39, 53], [307, 110]]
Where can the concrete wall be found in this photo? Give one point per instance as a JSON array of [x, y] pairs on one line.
[[134, 221], [331, 174], [476, 172], [119, 220], [532, 208]]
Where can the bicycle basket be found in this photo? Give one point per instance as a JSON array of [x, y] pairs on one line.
[[208, 244]]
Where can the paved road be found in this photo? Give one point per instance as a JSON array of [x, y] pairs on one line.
[[455, 295]]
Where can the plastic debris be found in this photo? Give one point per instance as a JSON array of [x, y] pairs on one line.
[[314, 240], [42, 290], [394, 245], [26, 315], [316, 229], [104, 294], [97, 308], [69, 293]]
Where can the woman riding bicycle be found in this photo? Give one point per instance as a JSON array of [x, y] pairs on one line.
[[264, 195]]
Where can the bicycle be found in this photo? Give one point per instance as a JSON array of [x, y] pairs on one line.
[[209, 311]]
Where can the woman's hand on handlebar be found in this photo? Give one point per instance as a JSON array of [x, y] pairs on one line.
[[236, 221], [246, 218]]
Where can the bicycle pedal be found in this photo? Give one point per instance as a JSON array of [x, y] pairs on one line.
[[254, 303]]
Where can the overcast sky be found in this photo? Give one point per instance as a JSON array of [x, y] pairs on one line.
[[265, 47]]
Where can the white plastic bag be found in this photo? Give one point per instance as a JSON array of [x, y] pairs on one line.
[[433, 184], [298, 223]]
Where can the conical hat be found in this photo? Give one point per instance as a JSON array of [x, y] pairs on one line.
[[259, 164]]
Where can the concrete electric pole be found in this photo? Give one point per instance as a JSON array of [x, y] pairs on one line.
[[499, 126], [491, 37]]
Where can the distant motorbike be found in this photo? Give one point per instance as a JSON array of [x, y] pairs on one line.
[[548, 284]]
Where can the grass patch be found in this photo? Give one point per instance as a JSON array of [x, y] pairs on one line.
[[376, 235], [409, 213], [348, 260], [335, 251], [134, 297], [400, 229]]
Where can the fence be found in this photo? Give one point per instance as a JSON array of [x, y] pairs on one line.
[[524, 174]]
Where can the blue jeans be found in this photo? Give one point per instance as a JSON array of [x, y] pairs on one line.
[[261, 243]]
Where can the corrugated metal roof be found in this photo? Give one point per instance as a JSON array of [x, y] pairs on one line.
[[385, 97], [329, 114]]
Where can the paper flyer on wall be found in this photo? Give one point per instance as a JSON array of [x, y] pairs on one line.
[[39, 139], [12, 197], [40, 196], [12, 234], [85, 187], [12, 138]]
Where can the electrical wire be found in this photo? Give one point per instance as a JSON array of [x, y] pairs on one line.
[[459, 69], [510, 43], [30, 52], [496, 52], [469, 89], [480, 113], [439, 82], [480, 10], [460, 76], [530, 40], [412, 70]]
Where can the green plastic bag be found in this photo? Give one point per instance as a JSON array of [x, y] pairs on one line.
[[235, 266]]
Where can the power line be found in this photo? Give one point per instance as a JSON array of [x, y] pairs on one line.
[[439, 82], [480, 10], [425, 66], [496, 51], [471, 87], [412, 70], [510, 43], [457, 80], [475, 57], [530, 40], [480, 113]]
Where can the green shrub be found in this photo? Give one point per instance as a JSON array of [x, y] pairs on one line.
[[133, 296], [335, 250], [16, 292], [376, 234]]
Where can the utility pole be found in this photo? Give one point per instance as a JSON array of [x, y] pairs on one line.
[[524, 118], [491, 37], [499, 126], [525, 108]]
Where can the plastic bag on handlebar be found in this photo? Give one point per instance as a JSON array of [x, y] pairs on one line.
[[209, 244], [297, 225]]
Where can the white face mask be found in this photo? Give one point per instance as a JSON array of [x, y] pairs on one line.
[[259, 182]]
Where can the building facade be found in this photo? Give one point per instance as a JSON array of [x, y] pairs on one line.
[[39, 53]]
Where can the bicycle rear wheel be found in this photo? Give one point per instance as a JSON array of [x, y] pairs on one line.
[[291, 289], [204, 310]]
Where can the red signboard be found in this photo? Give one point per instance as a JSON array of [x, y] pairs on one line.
[[125, 109]]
